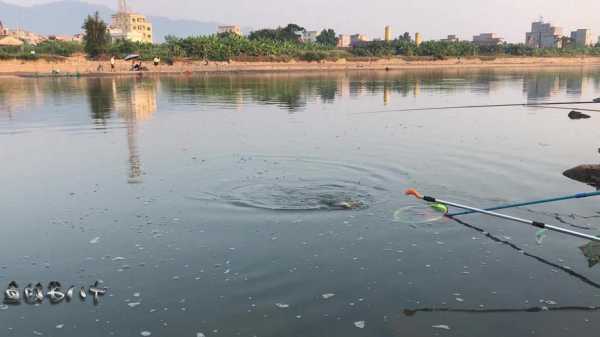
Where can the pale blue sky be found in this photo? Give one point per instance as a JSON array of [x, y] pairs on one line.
[[433, 18]]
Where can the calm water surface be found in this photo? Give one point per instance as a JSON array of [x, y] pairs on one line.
[[210, 204]]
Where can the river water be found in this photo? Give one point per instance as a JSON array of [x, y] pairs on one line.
[[216, 205]]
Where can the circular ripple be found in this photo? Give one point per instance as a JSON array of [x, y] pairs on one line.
[[301, 196], [294, 184]]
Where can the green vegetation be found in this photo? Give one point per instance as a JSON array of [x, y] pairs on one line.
[[97, 39], [327, 38], [278, 44]]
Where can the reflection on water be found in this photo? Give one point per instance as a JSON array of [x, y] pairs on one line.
[[235, 219]]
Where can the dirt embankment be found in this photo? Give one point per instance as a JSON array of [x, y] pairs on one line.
[[82, 66]]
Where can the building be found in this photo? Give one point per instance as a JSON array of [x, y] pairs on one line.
[[343, 41], [130, 26], [487, 39], [3, 31], [582, 38], [358, 39], [387, 36], [26, 36], [235, 29], [310, 36], [544, 35], [450, 38], [10, 41], [418, 39]]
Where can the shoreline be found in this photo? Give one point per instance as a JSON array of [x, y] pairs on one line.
[[80, 66]]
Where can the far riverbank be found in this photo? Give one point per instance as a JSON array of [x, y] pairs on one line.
[[80, 66]]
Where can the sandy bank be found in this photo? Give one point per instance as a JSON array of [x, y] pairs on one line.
[[80, 65]]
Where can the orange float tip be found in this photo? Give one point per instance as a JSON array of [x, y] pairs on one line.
[[414, 193]]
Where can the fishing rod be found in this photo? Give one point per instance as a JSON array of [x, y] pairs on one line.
[[534, 202], [595, 100], [413, 192]]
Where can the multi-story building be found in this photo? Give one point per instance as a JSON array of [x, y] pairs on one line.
[[450, 38], [544, 35], [310, 36], [487, 39], [582, 38], [358, 39], [343, 41], [387, 36], [233, 29], [418, 39], [130, 26]]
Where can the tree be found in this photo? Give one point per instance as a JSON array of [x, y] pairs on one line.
[[292, 32], [96, 39], [327, 38]]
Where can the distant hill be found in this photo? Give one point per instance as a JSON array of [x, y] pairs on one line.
[[66, 18]]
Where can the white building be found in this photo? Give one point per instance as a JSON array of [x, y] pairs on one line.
[[130, 26], [310, 36], [582, 38], [233, 29], [544, 35], [487, 39], [343, 41]]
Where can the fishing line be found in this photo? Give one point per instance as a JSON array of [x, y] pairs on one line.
[[597, 100], [564, 269]]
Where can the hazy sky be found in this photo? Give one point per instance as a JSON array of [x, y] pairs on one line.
[[433, 18]]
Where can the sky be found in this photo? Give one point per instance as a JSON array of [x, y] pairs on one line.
[[434, 19]]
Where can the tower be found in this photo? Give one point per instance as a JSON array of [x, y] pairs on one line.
[[418, 39], [388, 34], [122, 8]]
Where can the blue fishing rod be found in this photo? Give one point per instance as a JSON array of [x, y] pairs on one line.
[[534, 202]]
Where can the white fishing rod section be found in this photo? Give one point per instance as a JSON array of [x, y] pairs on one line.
[[413, 192]]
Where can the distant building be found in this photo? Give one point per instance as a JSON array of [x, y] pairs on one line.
[[487, 39], [358, 39], [230, 29], [130, 26], [418, 39], [343, 41], [582, 38], [10, 41], [310, 36], [450, 38], [544, 35], [26, 36], [67, 38], [3, 31], [387, 36]]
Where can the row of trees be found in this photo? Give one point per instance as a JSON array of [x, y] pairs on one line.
[[281, 43]]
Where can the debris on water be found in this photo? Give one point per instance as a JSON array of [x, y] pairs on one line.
[[298, 316], [37, 333], [200, 334], [540, 236], [146, 333], [458, 299], [60, 326], [136, 294], [441, 326], [118, 258], [95, 240], [282, 305], [327, 296], [133, 304], [360, 324], [578, 115]]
